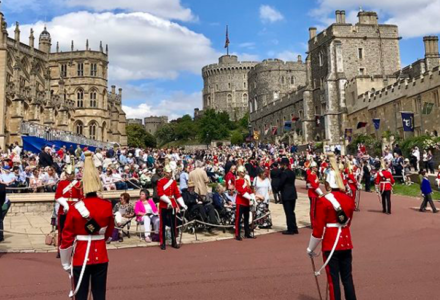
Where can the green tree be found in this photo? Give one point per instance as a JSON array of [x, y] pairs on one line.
[[165, 134], [138, 137], [237, 138], [213, 126]]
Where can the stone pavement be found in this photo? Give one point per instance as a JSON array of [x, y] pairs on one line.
[[26, 233]]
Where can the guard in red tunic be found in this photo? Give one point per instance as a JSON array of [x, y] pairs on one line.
[[351, 180], [89, 225], [314, 190], [245, 198], [384, 185], [68, 192], [169, 206], [334, 213]]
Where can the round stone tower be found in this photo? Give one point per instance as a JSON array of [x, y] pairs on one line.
[[226, 86], [45, 41], [272, 79]]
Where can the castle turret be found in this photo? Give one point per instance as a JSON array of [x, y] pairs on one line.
[[432, 56], [17, 32], [45, 41], [31, 39]]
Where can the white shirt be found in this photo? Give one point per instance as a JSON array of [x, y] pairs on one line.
[[262, 188]]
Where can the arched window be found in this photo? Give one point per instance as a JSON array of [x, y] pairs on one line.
[[229, 98], [79, 128], [93, 102], [282, 79], [92, 130], [245, 97], [292, 80], [80, 98], [209, 101]]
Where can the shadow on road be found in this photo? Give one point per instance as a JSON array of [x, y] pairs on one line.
[[375, 211]]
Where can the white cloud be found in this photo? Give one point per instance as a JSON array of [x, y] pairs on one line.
[[288, 55], [248, 45], [414, 17], [173, 106], [141, 46], [270, 14], [168, 9]]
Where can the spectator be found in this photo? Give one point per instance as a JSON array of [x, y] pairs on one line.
[[108, 181], [184, 177], [50, 180], [200, 179], [262, 187], [147, 214], [123, 212], [45, 158], [397, 150], [275, 175], [98, 159], [4, 207], [426, 190], [430, 161]]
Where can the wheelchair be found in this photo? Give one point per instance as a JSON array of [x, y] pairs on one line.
[[193, 215]]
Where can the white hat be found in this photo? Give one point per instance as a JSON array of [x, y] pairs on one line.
[[167, 169], [313, 164], [331, 179]]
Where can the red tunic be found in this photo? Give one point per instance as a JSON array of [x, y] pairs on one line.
[[385, 180], [326, 214], [313, 184], [352, 183], [168, 187], [73, 194], [101, 211], [230, 179], [242, 188]]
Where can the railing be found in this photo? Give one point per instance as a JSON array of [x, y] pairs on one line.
[[52, 134]]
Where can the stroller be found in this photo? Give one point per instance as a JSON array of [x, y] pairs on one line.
[[262, 216]]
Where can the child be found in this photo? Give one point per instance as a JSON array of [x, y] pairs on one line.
[[425, 187]]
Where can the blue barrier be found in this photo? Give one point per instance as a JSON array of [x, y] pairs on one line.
[[35, 144]]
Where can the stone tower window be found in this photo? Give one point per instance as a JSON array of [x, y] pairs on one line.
[[229, 98], [361, 53], [80, 99], [79, 128], [282, 80], [63, 70], [92, 130], [244, 84], [93, 69], [229, 85], [80, 69], [216, 87], [292, 80], [321, 58], [93, 102], [209, 101], [361, 71], [245, 98]]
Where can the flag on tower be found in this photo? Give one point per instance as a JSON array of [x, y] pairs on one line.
[[227, 40]]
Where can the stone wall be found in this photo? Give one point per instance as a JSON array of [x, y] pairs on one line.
[[226, 86]]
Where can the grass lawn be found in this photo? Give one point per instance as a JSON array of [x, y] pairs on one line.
[[413, 191]]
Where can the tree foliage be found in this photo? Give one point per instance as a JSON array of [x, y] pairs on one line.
[[138, 137], [214, 126]]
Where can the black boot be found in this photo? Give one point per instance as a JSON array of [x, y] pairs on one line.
[[163, 247], [175, 245]]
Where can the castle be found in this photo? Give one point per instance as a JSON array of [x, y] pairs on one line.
[[64, 91], [351, 75]]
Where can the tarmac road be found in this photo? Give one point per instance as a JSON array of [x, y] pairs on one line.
[[395, 257]]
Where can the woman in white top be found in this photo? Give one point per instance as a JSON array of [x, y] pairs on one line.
[[262, 187]]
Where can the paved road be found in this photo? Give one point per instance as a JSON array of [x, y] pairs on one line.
[[395, 257]]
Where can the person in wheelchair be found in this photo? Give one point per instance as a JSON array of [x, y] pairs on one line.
[[197, 207], [123, 212]]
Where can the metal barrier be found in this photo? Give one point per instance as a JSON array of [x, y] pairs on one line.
[[51, 134]]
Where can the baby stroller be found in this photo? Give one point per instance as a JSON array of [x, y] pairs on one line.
[[262, 216]]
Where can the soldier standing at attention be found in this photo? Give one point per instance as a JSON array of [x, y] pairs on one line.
[[334, 212], [89, 224], [313, 190], [68, 193], [169, 205], [384, 185]]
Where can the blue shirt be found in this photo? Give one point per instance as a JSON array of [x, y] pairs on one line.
[[425, 187], [184, 180]]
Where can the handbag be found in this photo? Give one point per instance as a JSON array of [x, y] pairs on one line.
[[51, 238]]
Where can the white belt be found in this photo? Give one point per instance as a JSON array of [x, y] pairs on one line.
[[72, 200], [85, 238], [335, 225], [384, 182]]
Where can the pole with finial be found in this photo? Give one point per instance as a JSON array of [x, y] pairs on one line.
[[227, 41]]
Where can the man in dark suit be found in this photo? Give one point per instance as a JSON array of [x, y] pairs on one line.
[[45, 158], [275, 175], [289, 196]]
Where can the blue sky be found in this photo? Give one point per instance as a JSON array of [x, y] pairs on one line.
[[158, 47]]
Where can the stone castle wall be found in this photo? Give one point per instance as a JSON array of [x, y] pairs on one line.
[[226, 86]]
